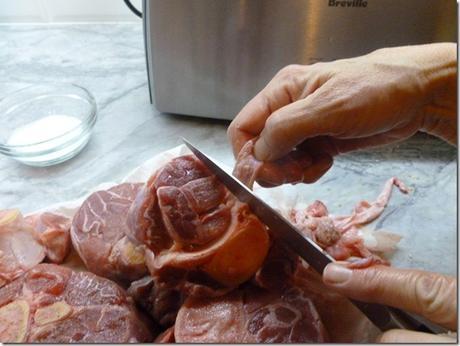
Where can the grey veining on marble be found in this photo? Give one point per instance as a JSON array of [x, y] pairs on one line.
[[108, 60]]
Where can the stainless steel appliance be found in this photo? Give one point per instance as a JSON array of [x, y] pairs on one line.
[[209, 57]]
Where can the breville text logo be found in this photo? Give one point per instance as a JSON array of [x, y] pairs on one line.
[[347, 3]]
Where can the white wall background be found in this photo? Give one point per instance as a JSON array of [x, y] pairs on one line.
[[58, 11]]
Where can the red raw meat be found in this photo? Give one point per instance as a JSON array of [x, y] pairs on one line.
[[290, 168], [278, 268], [247, 167], [52, 303], [54, 231], [250, 315], [190, 221], [20, 246], [166, 337], [99, 234], [160, 299], [343, 321], [162, 294]]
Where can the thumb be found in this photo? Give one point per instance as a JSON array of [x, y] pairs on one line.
[[431, 295], [407, 336]]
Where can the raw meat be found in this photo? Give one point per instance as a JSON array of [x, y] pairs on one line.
[[247, 167], [189, 220], [145, 225], [99, 235], [277, 269], [250, 315], [290, 168], [160, 299], [162, 293], [20, 246], [54, 231], [343, 321], [52, 303], [344, 237], [166, 337], [366, 212]]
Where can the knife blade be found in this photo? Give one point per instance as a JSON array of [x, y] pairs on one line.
[[385, 318], [278, 225]]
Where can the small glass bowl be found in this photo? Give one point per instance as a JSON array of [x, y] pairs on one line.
[[46, 124]]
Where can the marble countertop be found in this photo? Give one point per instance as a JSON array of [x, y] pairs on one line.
[[108, 60]]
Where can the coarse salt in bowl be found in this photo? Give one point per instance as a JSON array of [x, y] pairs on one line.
[[46, 124]]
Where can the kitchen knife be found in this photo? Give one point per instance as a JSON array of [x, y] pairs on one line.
[[385, 318]]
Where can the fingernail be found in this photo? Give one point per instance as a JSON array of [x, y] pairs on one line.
[[336, 274]]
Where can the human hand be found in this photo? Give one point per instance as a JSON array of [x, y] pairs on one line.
[[431, 295], [321, 110]]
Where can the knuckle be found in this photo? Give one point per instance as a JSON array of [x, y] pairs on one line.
[[274, 128], [430, 293], [289, 69], [372, 283], [289, 72], [232, 128], [231, 134]]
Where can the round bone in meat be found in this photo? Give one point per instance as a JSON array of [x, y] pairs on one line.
[[54, 231], [51, 303], [20, 246], [99, 234]]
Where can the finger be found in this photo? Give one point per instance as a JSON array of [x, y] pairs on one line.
[[393, 136], [428, 294], [317, 115], [292, 124], [251, 119], [334, 146], [407, 336], [286, 87], [291, 171]]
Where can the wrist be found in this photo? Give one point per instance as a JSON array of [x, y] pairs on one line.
[[438, 64], [439, 68]]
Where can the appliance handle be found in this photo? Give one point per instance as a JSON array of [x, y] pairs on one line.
[[132, 8]]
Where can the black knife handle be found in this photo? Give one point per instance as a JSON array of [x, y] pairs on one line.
[[386, 318]]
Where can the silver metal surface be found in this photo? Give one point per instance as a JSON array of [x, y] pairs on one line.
[[209, 57], [279, 227], [382, 316]]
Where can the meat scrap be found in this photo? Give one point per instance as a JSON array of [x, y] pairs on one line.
[[52, 303], [341, 236], [290, 168], [189, 220], [20, 246], [54, 232], [247, 167], [250, 315], [99, 234], [344, 237]]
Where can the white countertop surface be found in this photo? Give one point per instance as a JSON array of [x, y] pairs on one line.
[[108, 60]]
